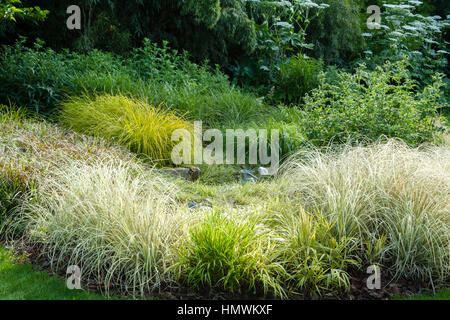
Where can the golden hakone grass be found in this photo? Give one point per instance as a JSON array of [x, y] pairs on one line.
[[142, 128]]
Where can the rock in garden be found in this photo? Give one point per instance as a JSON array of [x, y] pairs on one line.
[[189, 174], [247, 176]]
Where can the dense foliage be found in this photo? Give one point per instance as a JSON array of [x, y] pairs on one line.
[[253, 40], [336, 34], [369, 105], [207, 28], [11, 10], [404, 32], [40, 79]]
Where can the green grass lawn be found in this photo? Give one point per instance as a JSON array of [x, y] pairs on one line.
[[442, 294], [21, 282]]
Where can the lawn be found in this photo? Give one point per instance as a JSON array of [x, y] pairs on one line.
[[442, 294], [22, 281]]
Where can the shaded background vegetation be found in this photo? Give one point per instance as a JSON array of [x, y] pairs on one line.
[[222, 31]]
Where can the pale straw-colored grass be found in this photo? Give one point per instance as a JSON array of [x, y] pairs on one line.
[[113, 219], [388, 196]]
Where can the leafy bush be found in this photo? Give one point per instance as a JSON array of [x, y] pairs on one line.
[[32, 79], [371, 104], [11, 10], [296, 77], [281, 29], [406, 33], [39, 79], [142, 128]]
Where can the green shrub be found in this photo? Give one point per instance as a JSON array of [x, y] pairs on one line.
[[296, 77], [142, 128], [370, 104], [32, 79], [39, 79], [404, 32], [161, 63]]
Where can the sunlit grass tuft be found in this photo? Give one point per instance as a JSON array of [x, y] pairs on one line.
[[142, 128], [231, 252], [316, 261]]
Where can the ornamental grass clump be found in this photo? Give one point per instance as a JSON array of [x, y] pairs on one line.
[[231, 252], [315, 259], [113, 219], [394, 200], [144, 129]]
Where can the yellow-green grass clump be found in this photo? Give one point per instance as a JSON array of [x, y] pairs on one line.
[[142, 128], [233, 251]]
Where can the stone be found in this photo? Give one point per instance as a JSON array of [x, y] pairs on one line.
[[263, 171], [189, 174], [205, 203], [247, 176]]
